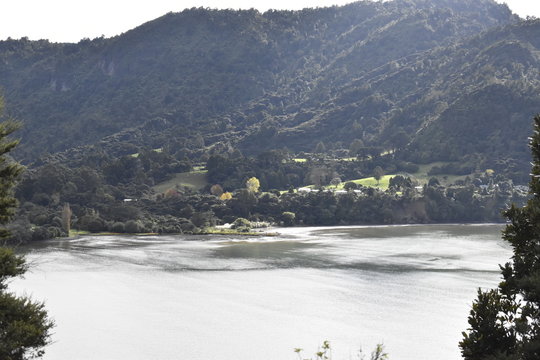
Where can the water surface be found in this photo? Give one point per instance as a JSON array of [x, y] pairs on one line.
[[212, 297]]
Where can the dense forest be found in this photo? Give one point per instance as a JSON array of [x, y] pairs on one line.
[[436, 94], [293, 78]]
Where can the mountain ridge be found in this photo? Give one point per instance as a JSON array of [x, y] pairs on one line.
[[258, 81]]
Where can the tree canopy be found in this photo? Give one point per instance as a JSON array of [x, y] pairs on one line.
[[253, 184], [24, 324], [505, 322], [9, 170], [204, 82]]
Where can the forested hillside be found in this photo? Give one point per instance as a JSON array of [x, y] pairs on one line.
[[204, 81], [403, 111]]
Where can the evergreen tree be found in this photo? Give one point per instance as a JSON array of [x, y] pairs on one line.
[[505, 322], [378, 173], [9, 171], [320, 148], [24, 324]]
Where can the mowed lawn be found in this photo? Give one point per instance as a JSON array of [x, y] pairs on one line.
[[369, 181], [193, 179], [445, 179]]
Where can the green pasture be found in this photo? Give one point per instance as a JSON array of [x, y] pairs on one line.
[[193, 179], [422, 174], [368, 182]]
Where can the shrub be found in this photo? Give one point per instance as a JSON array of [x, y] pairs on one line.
[[118, 227], [132, 227], [241, 224], [92, 223], [288, 218]]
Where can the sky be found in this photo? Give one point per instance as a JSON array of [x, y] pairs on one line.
[[72, 20]]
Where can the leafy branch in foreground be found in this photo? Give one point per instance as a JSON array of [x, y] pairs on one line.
[[24, 324], [505, 322], [325, 353]]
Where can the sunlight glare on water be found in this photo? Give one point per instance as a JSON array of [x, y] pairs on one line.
[[211, 297]]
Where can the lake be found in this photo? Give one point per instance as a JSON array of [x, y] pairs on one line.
[[246, 298]]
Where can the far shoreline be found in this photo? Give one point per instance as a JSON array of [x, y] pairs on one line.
[[273, 231]]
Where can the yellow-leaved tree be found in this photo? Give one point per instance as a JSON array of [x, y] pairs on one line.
[[253, 184], [225, 196]]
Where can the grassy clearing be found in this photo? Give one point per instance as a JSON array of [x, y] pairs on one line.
[[371, 182], [422, 173], [218, 231], [303, 160], [193, 179], [368, 182], [74, 232], [136, 155], [445, 179]]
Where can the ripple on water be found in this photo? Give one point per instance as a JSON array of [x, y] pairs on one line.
[[208, 297]]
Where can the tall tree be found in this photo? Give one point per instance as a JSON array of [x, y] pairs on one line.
[[216, 190], [253, 184], [320, 148], [66, 218], [399, 140], [24, 324], [9, 170], [505, 322], [378, 173]]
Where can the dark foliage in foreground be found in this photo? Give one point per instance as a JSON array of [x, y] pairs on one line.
[[24, 324], [505, 322]]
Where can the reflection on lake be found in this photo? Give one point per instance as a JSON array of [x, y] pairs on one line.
[[211, 297]]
